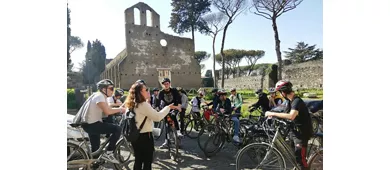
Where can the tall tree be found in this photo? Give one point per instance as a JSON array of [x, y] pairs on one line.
[[69, 61], [186, 16], [251, 57], [303, 52], [75, 43], [201, 56], [95, 59], [215, 21], [231, 9], [272, 9]]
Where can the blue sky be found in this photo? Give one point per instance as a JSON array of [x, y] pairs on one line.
[[104, 20]]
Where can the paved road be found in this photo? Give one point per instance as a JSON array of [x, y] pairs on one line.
[[192, 158]]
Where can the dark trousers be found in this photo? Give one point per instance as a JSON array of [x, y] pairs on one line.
[[143, 151], [94, 131], [108, 119], [300, 145], [182, 114]]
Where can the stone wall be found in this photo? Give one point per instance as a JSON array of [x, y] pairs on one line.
[[303, 75], [151, 54]]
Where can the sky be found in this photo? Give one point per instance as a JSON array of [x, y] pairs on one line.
[[104, 20]]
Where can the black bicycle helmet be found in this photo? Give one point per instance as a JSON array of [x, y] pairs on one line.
[[104, 83], [283, 86], [141, 81], [258, 91], [156, 89], [214, 90], [165, 80], [222, 92], [119, 92]]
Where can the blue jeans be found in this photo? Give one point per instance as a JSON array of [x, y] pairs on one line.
[[236, 122]]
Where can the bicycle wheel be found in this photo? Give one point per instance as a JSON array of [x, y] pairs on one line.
[[205, 133], [259, 156], [193, 124], [76, 155], [161, 126], [123, 153], [173, 143], [315, 124], [214, 144], [316, 161]]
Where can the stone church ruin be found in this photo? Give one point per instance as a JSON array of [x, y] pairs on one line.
[[152, 55]]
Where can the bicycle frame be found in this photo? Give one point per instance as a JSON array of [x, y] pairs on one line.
[[278, 143], [103, 145]]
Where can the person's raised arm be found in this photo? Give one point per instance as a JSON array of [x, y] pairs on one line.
[[147, 110]]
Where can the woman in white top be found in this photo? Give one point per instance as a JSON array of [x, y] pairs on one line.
[[144, 146]]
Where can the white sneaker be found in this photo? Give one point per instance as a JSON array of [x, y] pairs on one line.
[[179, 134], [110, 158], [236, 138]]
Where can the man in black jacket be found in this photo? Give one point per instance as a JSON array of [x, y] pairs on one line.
[[262, 102], [167, 96], [298, 112]]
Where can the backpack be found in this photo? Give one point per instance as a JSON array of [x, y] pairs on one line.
[[240, 96], [197, 99], [130, 130]]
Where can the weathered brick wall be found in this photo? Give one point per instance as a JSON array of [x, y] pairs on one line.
[[303, 75]]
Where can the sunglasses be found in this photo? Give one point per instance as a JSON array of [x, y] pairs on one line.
[[111, 88]]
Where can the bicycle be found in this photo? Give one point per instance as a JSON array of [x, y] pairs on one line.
[[253, 119], [275, 152], [224, 132], [197, 122], [87, 158], [171, 136]]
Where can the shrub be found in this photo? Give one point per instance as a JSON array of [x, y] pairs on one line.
[[71, 99]]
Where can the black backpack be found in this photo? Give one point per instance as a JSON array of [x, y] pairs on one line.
[[130, 130], [198, 100]]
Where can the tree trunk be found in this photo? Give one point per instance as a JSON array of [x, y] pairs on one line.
[[277, 48], [214, 77], [222, 54]]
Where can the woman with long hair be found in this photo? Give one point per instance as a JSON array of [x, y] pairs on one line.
[[144, 146]]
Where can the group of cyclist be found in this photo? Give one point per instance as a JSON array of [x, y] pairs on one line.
[[162, 101]]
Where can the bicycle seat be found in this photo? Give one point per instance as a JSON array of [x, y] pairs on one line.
[[75, 125]]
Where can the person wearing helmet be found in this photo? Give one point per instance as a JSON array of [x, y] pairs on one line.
[[298, 112], [196, 103], [91, 119], [262, 102], [167, 96], [113, 101], [184, 105], [274, 100], [215, 99], [236, 100], [225, 107], [154, 98], [141, 81]]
